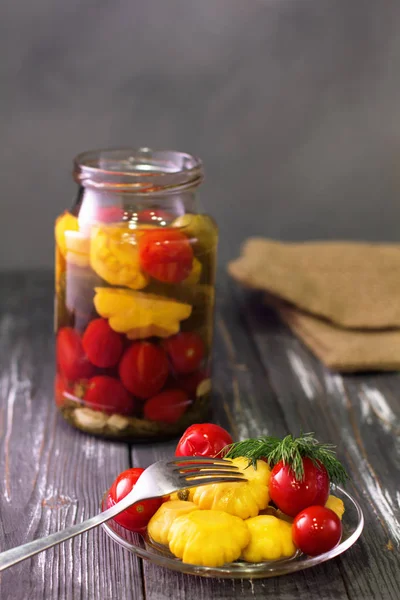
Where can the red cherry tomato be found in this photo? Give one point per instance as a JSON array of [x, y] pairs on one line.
[[316, 530], [167, 406], [154, 216], [61, 390], [136, 517], [71, 357], [109, 214], [205, 439], [103, 345], [323, 486], [290, 495], [109, 395], [186, 350], [165, 254], [144, 369], [191, 381]]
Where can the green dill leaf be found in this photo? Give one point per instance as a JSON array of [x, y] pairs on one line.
[[291, 451]]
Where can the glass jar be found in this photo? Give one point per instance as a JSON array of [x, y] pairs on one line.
[[135, 271]]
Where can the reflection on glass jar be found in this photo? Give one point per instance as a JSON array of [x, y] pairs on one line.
[[135, 271]]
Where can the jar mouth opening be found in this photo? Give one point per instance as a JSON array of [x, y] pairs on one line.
[[138, 170]]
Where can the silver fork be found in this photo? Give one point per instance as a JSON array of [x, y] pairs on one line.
[[160, 479]]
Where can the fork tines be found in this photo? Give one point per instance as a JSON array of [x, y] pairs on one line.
[[197, 460], [194, 480], [195, 471], [204, 465]]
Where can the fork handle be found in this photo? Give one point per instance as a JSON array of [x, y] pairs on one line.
[[11, 557]]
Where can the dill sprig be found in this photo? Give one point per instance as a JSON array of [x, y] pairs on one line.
[[291, 451]]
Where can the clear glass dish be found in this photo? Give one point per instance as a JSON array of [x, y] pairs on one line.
[[353, 523]]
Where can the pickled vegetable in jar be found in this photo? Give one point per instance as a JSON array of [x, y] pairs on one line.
[[134, 282]]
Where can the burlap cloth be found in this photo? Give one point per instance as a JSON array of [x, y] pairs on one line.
[[341, 298]]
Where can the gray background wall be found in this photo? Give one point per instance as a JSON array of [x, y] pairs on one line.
[[294, 105]]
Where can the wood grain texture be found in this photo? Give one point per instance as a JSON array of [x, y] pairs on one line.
[[360, 415], [265, 381], [52, 476]]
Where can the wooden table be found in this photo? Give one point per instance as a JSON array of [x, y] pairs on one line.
[[265, 382]]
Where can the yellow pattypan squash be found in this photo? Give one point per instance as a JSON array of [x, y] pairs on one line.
[[275, 512], [185, 494], [160, 523], [72, 244], [241, 499], [60, 268], [140, 315], [195, 273], [335, 504], [208, 537], [270, 539], [114, 256]]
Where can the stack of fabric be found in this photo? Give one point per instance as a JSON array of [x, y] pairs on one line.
[[341, 298]]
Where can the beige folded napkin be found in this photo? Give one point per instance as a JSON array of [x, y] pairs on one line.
[[341, 298]]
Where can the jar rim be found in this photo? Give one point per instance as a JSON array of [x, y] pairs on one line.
[[138, 170]]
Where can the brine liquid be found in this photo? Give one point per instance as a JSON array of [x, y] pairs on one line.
[[100, 276]]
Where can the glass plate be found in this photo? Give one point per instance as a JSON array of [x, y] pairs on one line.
[[353, 523]]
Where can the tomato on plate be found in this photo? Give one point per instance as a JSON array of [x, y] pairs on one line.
[[109, 395], [205, 439], [186, 350], [144, 369], [136, 517], [71, 357], [167, 406], [165, 254], [291, 495], [154, 216], [103, 345], [316, 530]]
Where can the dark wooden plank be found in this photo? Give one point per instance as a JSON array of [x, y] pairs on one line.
[[245, 403], [51, 475], [265, 382], [360, 415]]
